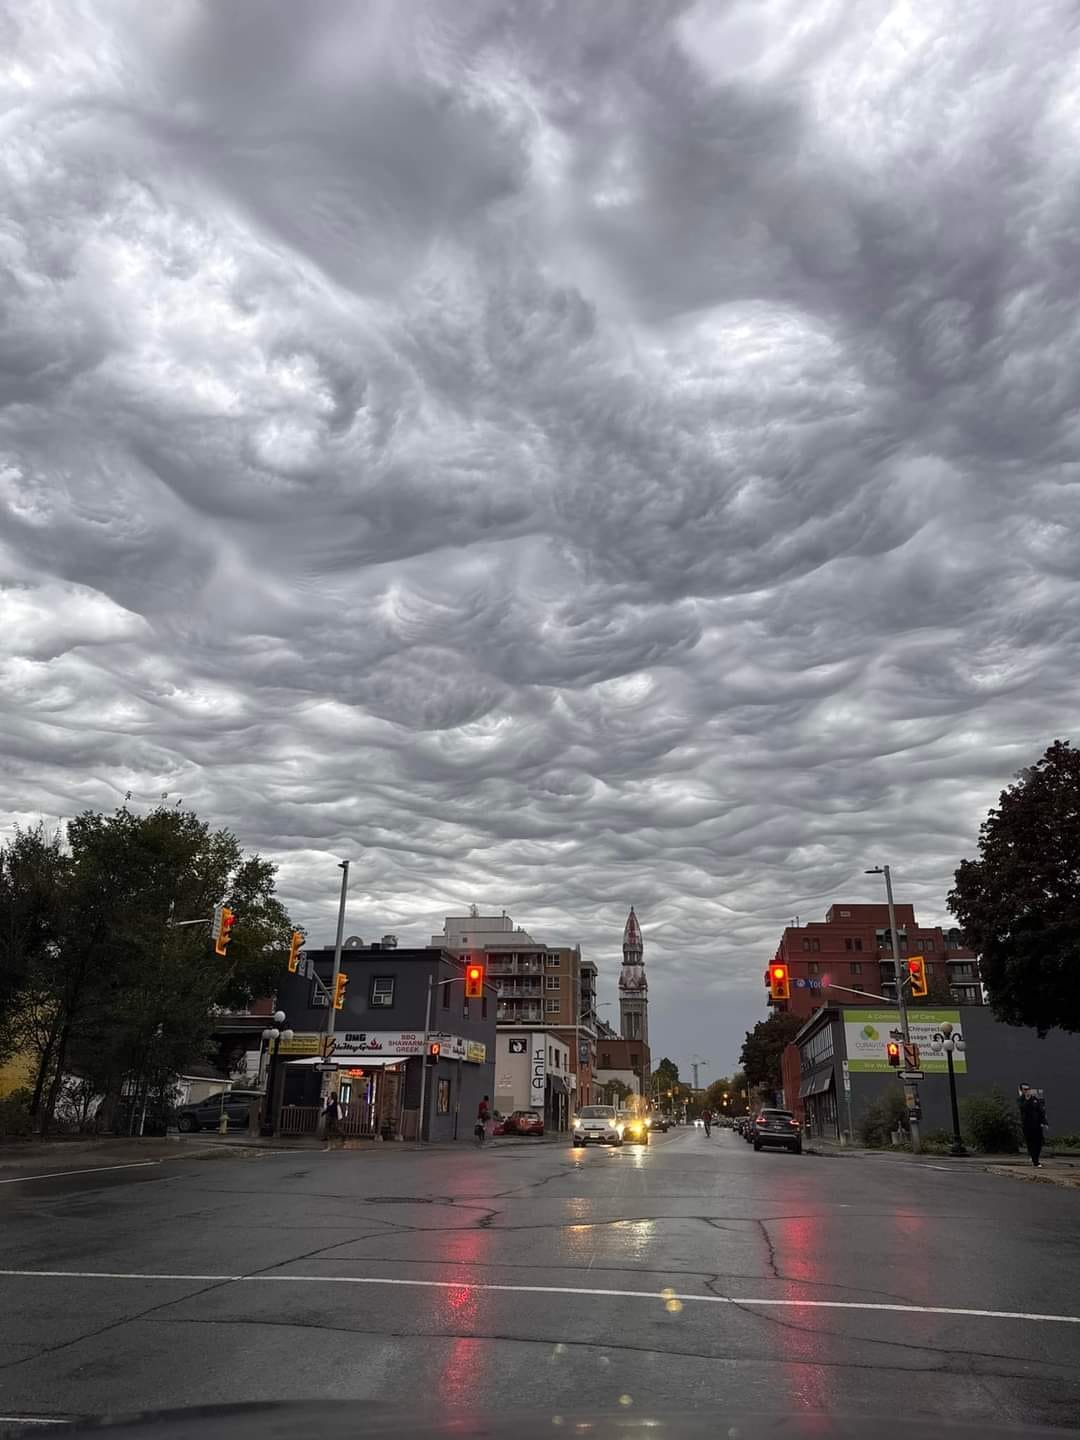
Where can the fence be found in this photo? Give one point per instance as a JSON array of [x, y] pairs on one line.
[[356, 1120]]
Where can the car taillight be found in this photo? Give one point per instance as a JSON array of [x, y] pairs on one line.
[[794, 1122], [761, 1120]]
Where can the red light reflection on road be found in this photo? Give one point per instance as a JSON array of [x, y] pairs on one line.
[[456, 1311]]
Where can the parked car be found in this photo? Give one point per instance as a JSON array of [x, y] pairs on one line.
[[524, 1122], [205, 1114], [777, 1127], [596, 1125]]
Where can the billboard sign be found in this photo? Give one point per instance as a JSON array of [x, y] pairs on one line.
[[380, 1042], [538, 1071], [866, 1033]]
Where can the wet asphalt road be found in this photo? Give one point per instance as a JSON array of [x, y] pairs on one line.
[[535, 1277]]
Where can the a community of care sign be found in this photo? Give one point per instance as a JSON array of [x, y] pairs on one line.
[[867, 1032]]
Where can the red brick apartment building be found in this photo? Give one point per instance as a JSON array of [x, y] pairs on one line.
[[851, 947]]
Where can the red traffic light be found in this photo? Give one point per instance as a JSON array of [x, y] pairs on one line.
[[474, 982], [779, 987]]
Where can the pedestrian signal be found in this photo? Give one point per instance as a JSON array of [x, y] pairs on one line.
[[892, 1050], [434, 1050], [474, 982], [295, 946], [917, 970], [779, 985]]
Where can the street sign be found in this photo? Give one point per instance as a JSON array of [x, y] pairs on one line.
[[329, 1045], [327, 1067], [847, 1076], [911, 1074]]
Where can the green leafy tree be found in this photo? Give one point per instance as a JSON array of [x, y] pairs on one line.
[[665, 1077], [764, 1045], [32, 872], [714, 1096], [1019, 902], [122, 994]]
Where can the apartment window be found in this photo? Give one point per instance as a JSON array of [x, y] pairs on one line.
[[483, 1008], [554, 961], [858, 944], [445, 989], [856, 967], [845, 914], [381, 996], [806, 944], [550, 1060], [849, 944], [812, 967], [929, 943], [551, 1007], [605, 1060], [552, 982]]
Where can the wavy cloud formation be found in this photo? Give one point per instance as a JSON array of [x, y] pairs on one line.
[[557, 454]]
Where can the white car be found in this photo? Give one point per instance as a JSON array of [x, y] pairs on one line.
[[597, 1124]]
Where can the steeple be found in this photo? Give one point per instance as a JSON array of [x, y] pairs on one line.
[[633, 986]]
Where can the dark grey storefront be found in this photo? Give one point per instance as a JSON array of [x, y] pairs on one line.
[[385, 1003], [996, 1056]]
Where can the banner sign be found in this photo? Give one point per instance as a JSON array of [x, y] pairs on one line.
[[538, 1071], [867, 1032]]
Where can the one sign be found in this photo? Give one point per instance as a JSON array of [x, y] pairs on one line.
[[329, 1046], [809, 984], [538, 1071], [911, 1057], [866, 1033], [519, 1046], [847, 1076], [583, 1052], [379, 1042], [475, 1052], [911, 1074], [453, 1046], [326, 1067], [301, 1044]]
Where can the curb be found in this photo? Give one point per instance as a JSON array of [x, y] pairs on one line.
[[1035, 1177]]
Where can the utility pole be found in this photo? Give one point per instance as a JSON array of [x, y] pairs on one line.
[[913, 1123], [343, 866]]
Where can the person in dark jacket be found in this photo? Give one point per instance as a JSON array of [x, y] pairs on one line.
[[1033, 1123]]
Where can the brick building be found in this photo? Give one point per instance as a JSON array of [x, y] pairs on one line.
[[851, 948]]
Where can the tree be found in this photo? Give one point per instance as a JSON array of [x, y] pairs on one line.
[[118, 992], [764, 1045], [665, 1077], [1019, 902], [715, 1096]]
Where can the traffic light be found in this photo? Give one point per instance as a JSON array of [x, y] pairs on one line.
[[221, 929], [917, 970], [434, 1050], [779, 986], [339, 990], [474, 981], [295, 946], [892, 1050]]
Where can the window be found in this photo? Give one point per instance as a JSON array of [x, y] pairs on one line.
[[849, 944], [551, 1007], [929, 968], [552, 982], [858, 944], [382, 992], [605, 1060], [845, 914], [806, 944], [856, 967], [442, 1098], [483, 1008], [550, 1060], [554, 961], [812, 967], [445, 989], [929, 943], [815, 945]]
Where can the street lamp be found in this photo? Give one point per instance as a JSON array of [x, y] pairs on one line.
[[913, 1120], [957, 1146], [273, 1035]]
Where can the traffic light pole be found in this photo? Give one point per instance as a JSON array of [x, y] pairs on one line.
[[913, 1122], [331, 1016]]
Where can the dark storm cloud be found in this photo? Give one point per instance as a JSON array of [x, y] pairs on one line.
[[559, 454]]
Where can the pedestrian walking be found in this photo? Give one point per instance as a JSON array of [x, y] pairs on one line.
[[1033, 1122], [332, 1119], [483, 1115]]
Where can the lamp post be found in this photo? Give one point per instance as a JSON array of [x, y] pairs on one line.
[[913, 1121], [273, 1035], [957, 1146]]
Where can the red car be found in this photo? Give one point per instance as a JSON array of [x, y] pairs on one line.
[[524, 1122]]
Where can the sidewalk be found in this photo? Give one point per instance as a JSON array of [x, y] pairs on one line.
[[1061, 1169]]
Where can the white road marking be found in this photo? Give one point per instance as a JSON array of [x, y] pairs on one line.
[[88, 1170], [29, 1420], [549, 1290]]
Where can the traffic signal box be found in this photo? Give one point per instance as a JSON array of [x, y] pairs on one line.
[[474, 981], [779, 982], [917, 973], [296, 944], [434, 1050], [339, 990], [892, 1051], [221, 929]]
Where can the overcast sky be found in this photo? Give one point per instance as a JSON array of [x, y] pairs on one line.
[[559, 455]]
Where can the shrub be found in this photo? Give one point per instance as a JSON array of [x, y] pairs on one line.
[[991, 1123], [1064, 1142], [875, 1125], [15, 1113], [937, 1142]]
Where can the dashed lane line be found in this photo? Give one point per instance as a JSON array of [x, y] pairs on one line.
[[757, 1302]]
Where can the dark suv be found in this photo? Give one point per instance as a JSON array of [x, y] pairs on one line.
[[777, 1127], [205, 1114]]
